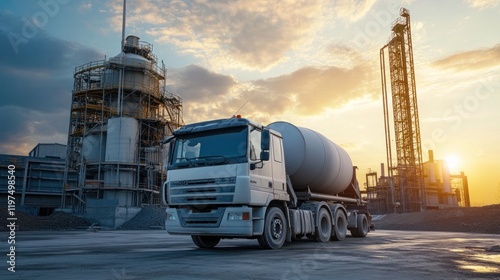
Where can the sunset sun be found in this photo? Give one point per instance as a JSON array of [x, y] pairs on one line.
[[452, 162]]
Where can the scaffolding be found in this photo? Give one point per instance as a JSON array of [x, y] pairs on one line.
[[460, 186], [123, 98], [406, 174], [378, 194]]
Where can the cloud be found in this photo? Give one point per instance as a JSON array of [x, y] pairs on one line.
[[197, 83], [36, 86], [471, 60], [230, 34], [482, 4], [352, 10], [85, 6], [304, 92], [311, 90], [22, 129]]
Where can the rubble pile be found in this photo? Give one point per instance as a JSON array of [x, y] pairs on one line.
[[149, 217]]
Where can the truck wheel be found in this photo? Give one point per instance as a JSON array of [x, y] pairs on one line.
[[275, 228], [340, 227], [324, 227], [362, 226], [205, 242]]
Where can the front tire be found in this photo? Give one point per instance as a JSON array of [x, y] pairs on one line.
[[275, 229], [205, 242]]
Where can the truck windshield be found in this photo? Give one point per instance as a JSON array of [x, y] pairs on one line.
[[210, 148]]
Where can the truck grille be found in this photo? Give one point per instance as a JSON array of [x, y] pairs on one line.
[[189, 218], [202, 191]]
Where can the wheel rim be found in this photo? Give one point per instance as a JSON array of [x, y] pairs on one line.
[[277, 228]]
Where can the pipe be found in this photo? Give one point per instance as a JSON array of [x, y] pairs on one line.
[[309, 195], [123, 23]]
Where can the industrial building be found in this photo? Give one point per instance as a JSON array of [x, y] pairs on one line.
[[410, 184], [120, 114], [39, 178], [442, 189], [438, 192]]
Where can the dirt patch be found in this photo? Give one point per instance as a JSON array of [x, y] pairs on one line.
[[484, 219]]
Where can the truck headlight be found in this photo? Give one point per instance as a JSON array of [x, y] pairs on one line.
[[238, 216], [170, 217]]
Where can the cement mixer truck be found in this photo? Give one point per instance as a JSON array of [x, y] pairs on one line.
[[234, 178]]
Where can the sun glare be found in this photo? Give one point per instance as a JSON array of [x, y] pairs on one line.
[[452, 161]]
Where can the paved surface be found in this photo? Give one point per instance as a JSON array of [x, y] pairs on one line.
[[124, 255]]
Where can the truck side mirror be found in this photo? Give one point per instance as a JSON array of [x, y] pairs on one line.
[[264, 155], [264, 140]]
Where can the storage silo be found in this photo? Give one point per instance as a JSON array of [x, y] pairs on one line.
[[120, 113], [122, 140]]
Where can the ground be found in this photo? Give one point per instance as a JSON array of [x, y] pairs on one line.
[[474, 220], [154, 254]]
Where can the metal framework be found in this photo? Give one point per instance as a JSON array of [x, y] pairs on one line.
[[117, 88], [460, 186], [407, 174]]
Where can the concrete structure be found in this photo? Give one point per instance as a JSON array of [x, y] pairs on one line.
[[38, 178], [120, 114]]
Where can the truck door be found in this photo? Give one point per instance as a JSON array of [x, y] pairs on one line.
[[261, 177], [278, 163]]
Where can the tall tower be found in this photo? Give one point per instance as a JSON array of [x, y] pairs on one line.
[[407, 173], [120, 113]]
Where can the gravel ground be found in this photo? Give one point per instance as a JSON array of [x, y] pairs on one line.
[[484, 219], [56, 221], [475, 219]]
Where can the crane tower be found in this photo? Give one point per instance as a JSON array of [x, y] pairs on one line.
[[407, 186]]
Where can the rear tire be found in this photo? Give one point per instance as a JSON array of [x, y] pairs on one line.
[[205, 242], [324, 228], [275, 229], [340, 227], [362, 226]]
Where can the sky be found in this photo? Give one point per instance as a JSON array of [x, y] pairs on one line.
[[314, 63]]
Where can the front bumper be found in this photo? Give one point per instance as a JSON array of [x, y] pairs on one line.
[[186, 222]]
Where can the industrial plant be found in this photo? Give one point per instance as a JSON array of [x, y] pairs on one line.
[[410, 184], [113, 163], [120, 114]]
